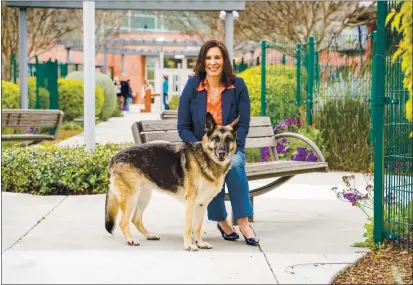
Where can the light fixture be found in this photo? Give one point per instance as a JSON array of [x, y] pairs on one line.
[[222, 15]]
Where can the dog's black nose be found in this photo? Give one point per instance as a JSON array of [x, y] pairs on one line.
[[221, 155]]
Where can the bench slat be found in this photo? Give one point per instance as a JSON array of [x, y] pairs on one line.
[[257, 132], [31, 111], [22, 137], [283, 168], [29, 117], [171, 136], [171, 124], [30, 124], [157, 125], [260, 142]]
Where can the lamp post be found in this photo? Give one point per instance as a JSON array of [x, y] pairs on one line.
[[161, 60]]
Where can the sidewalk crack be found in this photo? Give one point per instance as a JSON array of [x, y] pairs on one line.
[[35, 225], [269, 265]]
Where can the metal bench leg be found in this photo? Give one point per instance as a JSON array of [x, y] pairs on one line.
[[250, 218]]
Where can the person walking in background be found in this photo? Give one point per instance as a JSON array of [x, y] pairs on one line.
[[126, 93], [165, 92], [117, 90]]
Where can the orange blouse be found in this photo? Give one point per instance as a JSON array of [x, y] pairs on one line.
[[214, 105]]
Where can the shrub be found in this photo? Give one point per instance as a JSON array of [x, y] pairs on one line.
[[57, 170], [173, 103], [10, 95], [281, 91], [71, 98], [345, 129], [105, 82], [43, 94]]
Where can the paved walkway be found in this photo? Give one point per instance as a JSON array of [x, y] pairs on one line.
[[305, 234]]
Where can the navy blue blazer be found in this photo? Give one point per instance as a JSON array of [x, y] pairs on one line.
[[192, 111]]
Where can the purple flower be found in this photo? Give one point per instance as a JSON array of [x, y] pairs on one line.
[[311, 156], [353, 197]]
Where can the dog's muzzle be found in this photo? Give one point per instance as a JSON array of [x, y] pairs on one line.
[[222, 155]]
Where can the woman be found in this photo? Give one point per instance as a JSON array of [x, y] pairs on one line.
[[215, 89]]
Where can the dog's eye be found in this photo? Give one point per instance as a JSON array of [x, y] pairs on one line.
[[227, 139], [216, 139]]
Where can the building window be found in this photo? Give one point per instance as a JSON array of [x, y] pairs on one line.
[[150, 70], [170, 62], [143, 22]]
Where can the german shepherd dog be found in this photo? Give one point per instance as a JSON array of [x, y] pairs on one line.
[[191, 172]]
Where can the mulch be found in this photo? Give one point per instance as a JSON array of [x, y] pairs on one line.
[[385, 266]]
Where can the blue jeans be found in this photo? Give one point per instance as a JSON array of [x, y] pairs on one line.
[[238, 189], [127, 103], [165, 96]]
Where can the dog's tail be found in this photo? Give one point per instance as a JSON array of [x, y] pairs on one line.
[[111, 209]]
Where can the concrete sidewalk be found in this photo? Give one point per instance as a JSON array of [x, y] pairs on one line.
[[305, 239], [118, 129], [305, 234]]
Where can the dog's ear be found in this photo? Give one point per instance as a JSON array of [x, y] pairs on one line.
[[234, 124], [210, 123]]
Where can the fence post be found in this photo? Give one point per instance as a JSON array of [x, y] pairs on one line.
[[373, 90], [37, 83], [14, 68], [263, 76], [283, 59], [317, 69], [298, 91], [52, 71], [310, 80], [378, 121]]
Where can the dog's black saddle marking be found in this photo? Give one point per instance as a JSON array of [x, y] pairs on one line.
[[160, 163]]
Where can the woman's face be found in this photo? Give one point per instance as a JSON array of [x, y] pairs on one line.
[[214, 62]]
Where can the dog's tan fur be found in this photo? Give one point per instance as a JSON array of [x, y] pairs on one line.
[[130, 188]]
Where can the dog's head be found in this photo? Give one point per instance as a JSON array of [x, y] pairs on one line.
[[220, 142]]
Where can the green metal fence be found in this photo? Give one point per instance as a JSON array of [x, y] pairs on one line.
[[46, 74], [358, 68], [339, 70], [393, 149], [283, 79]]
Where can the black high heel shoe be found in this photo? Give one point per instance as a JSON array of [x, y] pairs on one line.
[[233, 236], [251, 241]]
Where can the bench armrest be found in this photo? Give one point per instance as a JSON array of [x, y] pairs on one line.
[[304, 139]]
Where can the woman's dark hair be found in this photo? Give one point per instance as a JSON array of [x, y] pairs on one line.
[[227, 73]]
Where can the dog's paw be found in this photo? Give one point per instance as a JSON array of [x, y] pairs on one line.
[[153, 237], [191, 247], [204, 245], [133, 243]]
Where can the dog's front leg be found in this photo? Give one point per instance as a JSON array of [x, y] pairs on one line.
[[200, 209], [189, 213]]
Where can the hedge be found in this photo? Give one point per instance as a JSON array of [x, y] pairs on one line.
[[281, 91], [10, 95], [71, 98], [57, 170], [105, 82]]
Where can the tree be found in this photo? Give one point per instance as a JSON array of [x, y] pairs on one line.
[[45, 27], [402, 22], [289, 21], [48, 27]]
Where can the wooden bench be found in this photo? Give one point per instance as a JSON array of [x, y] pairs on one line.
[[28, 118], [260, 135]]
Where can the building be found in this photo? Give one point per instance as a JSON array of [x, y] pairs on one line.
[[145, 38]]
